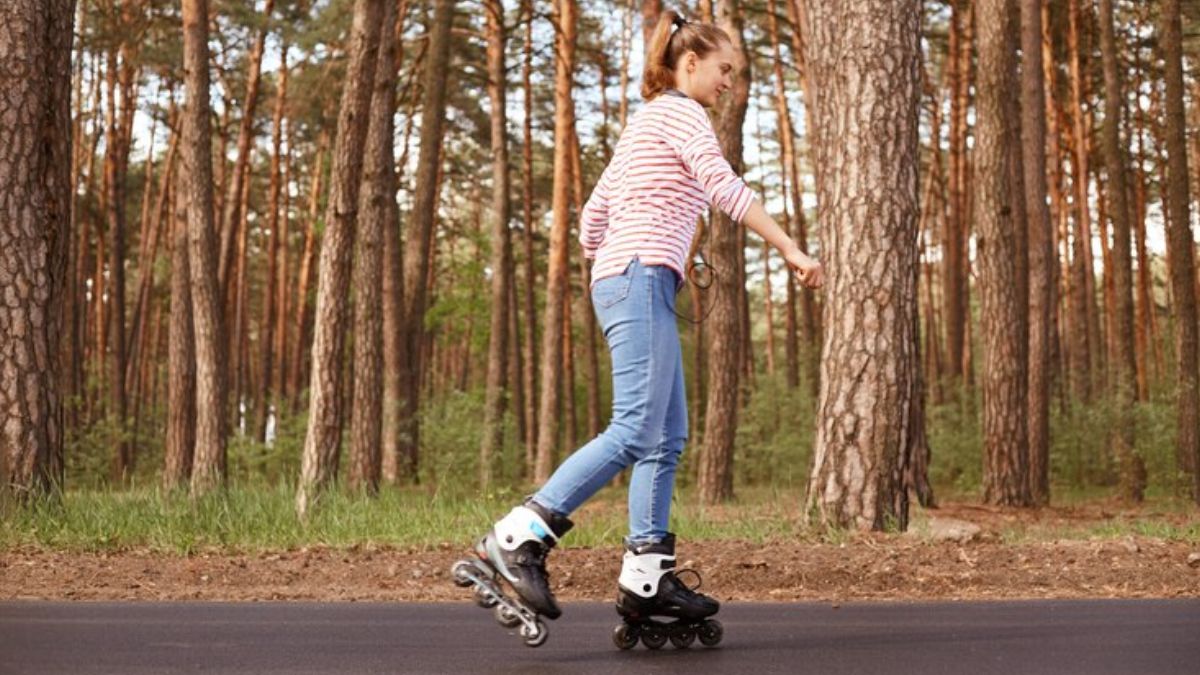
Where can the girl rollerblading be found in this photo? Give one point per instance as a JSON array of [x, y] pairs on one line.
[[637, 227]]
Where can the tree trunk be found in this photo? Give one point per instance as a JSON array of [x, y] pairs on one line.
[[1124, 368], [323, 438], [1005, 467], [1082, 300], [725, 357], [181, 356], [379, 212], [116, 160], [35, 198], [492, 441], [792, 191], [867, 65], [955, 289], [304, 275], [651, 9], [233, 214], [591, 358], [565, 19], [529, 374], [1180, 244], [1041, 253], [626, 47], [417, 261], [393, 284], [208, 466], [276, 242]]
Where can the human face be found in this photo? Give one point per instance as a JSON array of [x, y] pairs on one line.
[[705, 79]]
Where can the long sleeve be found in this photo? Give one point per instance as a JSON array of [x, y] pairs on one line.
[[701, 154], [593, 221]]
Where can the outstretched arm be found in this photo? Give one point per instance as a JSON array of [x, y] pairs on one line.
[[807, 269]]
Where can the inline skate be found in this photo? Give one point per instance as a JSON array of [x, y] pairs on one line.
[[515, 550], [649, 587]]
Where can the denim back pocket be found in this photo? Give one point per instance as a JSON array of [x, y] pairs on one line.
[[610, 290]]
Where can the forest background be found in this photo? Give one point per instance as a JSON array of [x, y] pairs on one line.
[[335, 374]]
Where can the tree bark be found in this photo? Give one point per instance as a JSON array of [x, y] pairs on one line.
[[276, 241], [492, 441], [181, 356], [591, 358], [1085, 345], [304, 275], [208, 466], [566, 19], [725, 356], [323, 439], [1180, 245], [417, 261], [35, 198], [393, 284], [233, 215], [1004, 383], [955, 288], [1124, 367], [866, 61], [1041, 253], [379, 212], [529, 374]]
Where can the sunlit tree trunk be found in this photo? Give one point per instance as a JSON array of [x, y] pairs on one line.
[[377, 212], [35, 200], [323, 438], [565, 19], [208, 461], [181, 357], [866, 65]]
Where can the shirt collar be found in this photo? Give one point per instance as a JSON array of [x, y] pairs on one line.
[[674, 92]]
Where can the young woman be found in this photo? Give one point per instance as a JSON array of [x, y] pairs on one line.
[[638, 226]]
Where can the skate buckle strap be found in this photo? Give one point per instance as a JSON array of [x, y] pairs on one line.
[[693, 573]]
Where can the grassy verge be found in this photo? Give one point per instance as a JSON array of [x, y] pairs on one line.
[[258, 518]]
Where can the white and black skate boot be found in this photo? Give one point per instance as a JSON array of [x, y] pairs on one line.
[[649, 587], [515, 549]]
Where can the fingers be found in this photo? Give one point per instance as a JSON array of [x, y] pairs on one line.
[[810, 278]]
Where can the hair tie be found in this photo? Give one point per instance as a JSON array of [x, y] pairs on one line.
[[679, 22]]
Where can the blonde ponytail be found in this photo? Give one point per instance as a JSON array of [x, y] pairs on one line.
[[673, 37]]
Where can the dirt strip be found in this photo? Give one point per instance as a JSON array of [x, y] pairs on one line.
[[874, 567]]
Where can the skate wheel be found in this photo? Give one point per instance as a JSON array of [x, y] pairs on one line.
[[683, 638], [459, 572], [505, 616], [625, 636], [654, 638], [485, 599], [536, 636], [711, 632]]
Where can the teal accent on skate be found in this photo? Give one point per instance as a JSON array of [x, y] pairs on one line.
[[538, 529]]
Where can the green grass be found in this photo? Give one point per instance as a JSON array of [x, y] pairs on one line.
[[263, 518], [251, 519], [772, 457]]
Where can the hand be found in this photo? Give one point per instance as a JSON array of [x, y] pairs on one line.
[[808, 270]]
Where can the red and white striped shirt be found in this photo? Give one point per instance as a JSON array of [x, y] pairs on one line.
[[666, 169]]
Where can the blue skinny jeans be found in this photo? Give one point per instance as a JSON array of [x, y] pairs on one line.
[[649, 425]]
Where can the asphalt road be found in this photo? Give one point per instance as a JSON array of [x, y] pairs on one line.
[[1094, 637]]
